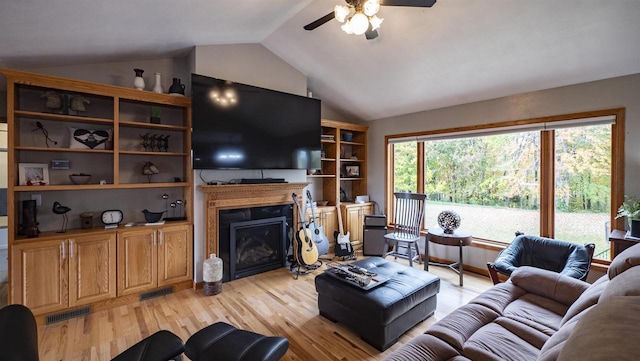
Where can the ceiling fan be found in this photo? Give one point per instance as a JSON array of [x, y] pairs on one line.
[[359, 16]]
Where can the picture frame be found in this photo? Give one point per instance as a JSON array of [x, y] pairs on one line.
[[33, 174], [352, 171]]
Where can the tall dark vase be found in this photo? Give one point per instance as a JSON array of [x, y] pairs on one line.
[[29, 219], [176, 88], [634, 228]]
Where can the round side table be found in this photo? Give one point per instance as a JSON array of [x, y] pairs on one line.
[[458, 238]]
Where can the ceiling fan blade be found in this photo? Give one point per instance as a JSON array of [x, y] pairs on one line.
[[320, 21], [371, 34], [415, 3]]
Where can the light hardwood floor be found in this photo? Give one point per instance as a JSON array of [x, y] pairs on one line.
[[272, 303]]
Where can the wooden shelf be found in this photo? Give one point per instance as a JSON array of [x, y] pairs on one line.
[[70, 150], [139, 152], [62, 117], [153, 126]]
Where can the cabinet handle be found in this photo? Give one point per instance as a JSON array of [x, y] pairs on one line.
[[161, 237], [71, 246], [63, 250], [154, 237]]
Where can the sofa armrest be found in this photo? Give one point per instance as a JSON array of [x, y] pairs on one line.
[[549, 284]]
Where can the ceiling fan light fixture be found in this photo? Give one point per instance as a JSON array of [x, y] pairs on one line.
[[371, 7], [341, 12], [346, 27], [375, 22], [359, 23]]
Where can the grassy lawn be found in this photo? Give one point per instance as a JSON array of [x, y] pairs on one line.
[[500, 223]]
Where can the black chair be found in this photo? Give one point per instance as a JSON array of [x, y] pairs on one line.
[[566, 258], [408, 213]]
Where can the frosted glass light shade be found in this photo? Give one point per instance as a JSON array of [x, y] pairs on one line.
[[359, 23], [341, 12], [371, 7]]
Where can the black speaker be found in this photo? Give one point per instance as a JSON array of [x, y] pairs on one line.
[[375, 227]]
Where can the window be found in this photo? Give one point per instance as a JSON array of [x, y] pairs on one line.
[[558, 177]]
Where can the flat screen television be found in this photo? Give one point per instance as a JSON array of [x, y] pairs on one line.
[[239, 126]]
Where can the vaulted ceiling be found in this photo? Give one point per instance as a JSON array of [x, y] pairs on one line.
[[456, 52]]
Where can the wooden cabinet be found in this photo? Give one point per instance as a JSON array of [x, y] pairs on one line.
[[58, 127], [153, 257], [353, 220], [53, 274], [343, 162]]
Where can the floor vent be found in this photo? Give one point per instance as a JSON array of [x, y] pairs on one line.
[[157, 293], [67, 315]]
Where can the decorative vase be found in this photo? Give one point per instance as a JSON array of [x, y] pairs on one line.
[[157, 87], [449, 221], [138, 81], [176, 88]]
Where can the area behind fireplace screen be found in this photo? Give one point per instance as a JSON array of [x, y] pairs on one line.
[[256, 246]]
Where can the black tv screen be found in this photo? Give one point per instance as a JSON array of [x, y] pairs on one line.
[[239, 126]]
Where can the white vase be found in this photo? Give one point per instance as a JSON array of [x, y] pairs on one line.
[[138, 81], [157, 88]]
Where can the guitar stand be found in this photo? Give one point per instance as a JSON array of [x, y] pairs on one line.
[[295, 264]]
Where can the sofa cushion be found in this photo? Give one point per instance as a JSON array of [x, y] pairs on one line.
[[625, 284], [549, 284], [495, 342], [499, 297], [424, 347], [587, 299], [458, 326], [628, 258], [551, 349], [606, 332], [538, 309]]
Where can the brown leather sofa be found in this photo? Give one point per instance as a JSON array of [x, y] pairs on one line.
[[544, 316]]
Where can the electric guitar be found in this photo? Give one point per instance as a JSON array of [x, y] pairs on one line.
[[317, 233], [341, 237], [304, 249]]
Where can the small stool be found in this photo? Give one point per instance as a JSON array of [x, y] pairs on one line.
[[222, 341], [161, 346]]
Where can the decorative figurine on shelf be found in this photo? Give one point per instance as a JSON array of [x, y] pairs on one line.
[[146, 141], [60, 209], [138, 81], [45, 132], [78, 102], [176, 88], [54, 100], [163, 143], [152, 217], [165, 196], [149, 169]]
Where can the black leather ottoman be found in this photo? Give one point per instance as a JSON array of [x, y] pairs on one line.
[[382, 314], [221, 341]]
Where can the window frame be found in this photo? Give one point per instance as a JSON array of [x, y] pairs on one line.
[[547, 175]]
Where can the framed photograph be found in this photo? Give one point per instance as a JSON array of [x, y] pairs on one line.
[[33, 174], [352, 171]]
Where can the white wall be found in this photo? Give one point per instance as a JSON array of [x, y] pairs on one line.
[[603, 94]]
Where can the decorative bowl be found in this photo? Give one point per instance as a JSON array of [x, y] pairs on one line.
[[322, 203], [80, 178]]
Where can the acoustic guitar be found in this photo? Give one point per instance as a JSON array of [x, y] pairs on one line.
[[304, 249], [317, 233]]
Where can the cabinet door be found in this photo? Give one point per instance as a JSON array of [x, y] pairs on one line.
[[39, 275], [175, 254], [92, 268], [328, 218], [355, 219], [137, 261]]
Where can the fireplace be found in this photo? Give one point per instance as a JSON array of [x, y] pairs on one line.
[[254, 240]]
